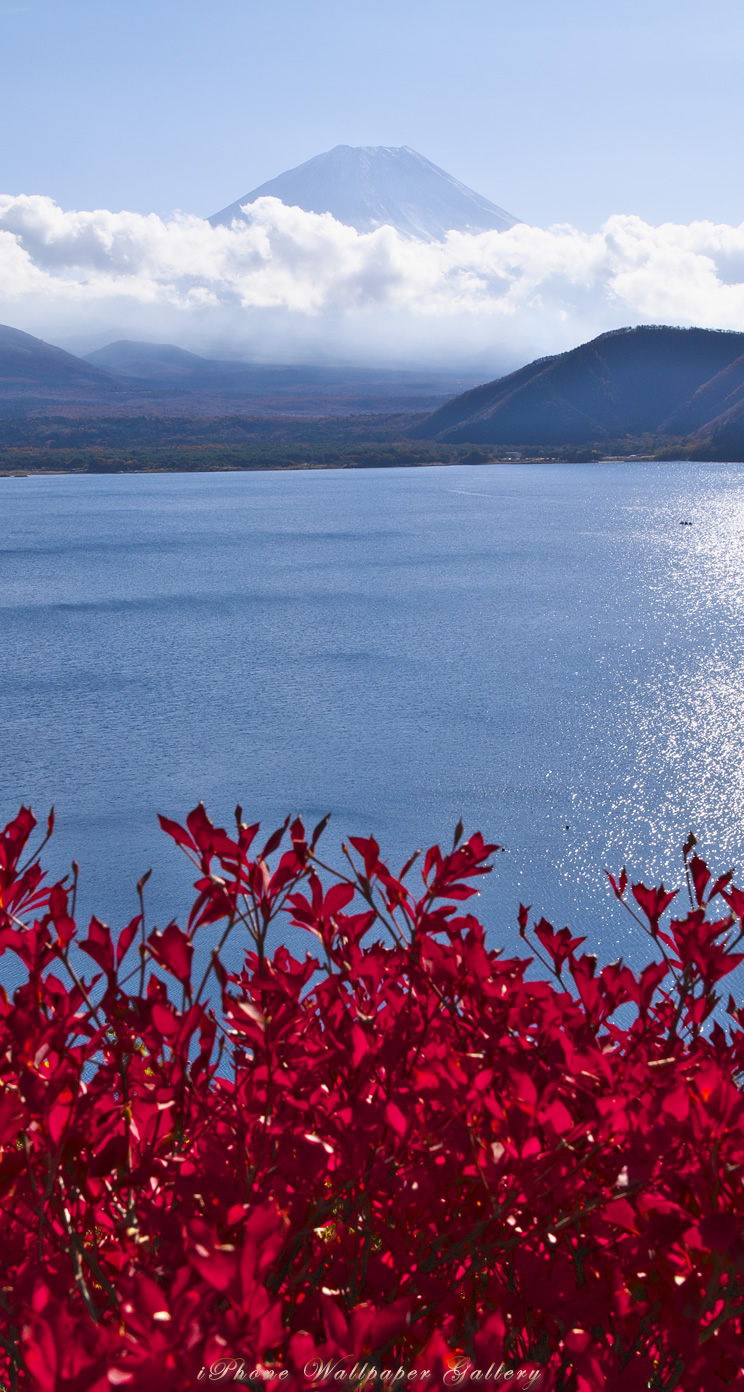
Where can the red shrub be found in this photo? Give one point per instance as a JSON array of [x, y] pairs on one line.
[[411, 1160]]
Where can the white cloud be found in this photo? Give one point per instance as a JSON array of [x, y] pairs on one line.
[[288, 282]]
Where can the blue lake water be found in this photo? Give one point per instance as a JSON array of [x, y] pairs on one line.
[[543, 650]]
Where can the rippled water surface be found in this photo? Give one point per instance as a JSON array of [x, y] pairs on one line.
[[542, 649]]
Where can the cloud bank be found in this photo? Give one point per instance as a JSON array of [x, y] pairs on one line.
[[288, 284]]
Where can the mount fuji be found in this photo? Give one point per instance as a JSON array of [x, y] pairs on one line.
[[371, 186]]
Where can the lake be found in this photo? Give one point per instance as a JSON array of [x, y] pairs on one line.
[[542, 649]]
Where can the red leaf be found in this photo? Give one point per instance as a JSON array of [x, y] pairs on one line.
[[180, 836], [620, 885], [560, 945], [11, 1117], [648, 982], [40, 1354], [621, 1213], [360, 1047], [164, 1019], [335, 1325], [653, 902], [59, 1115], [396, 1119], [700, 877], [173, 951], [274, 840], [201, 828], [557, 1118], [369, 850], [98, 945], [735, 899], [126, 938], [336, 899]]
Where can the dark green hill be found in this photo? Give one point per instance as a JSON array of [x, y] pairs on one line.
[[632, 381]]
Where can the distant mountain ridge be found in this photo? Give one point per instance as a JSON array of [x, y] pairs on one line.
[[635, 381], [149, 361], [133, 378], [674, 392], [303, 387], [30, 367], [371, 186]]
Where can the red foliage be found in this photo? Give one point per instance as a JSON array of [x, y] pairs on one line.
[[412, 1157]]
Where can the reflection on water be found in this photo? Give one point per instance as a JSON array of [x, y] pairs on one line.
[[543, 649], [671, 732]]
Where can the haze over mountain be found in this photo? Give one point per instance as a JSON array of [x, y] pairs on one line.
[[247, 386], [145, 378], [370, 186], [635, 381]]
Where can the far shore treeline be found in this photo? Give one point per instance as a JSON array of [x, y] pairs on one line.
[[649, 392]]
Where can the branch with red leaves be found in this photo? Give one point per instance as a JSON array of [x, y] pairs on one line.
[[414, 1150]]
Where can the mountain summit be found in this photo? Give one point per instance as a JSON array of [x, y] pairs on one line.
[[370, 186]]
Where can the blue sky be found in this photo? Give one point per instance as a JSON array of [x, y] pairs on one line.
[[613, 131], [564, 111]]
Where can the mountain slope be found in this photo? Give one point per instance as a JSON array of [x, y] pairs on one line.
[[29, 367], [718, 397], [627, 382], [722, 436], [152, 362], [373, 185]]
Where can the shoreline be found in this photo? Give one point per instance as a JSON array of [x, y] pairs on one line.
[[343, 467]]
